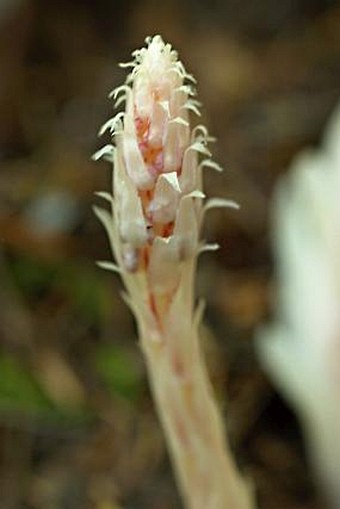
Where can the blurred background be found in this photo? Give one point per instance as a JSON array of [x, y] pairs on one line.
[[77, 427]]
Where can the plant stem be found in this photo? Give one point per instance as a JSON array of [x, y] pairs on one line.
[[206, 473]]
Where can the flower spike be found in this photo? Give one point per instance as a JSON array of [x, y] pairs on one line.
[[154, 229]]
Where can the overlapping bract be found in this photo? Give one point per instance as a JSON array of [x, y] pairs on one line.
[[157, 183]]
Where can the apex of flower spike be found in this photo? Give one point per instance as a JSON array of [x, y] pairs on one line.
[[156, 127], [157, 202]]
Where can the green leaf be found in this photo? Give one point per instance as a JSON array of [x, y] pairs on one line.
[[21, 392], [18, 389], [120, 369]]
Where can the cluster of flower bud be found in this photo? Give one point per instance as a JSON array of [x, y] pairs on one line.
[[157, 199]]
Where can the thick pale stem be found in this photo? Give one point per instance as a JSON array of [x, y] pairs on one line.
[[205, 471]]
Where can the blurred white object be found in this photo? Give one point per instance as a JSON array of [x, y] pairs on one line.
[[301, 351]]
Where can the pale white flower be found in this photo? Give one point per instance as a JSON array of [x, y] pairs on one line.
[[302, 350], [154, 229], [157, 197]]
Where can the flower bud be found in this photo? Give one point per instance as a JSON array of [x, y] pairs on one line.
[[157, 198]]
